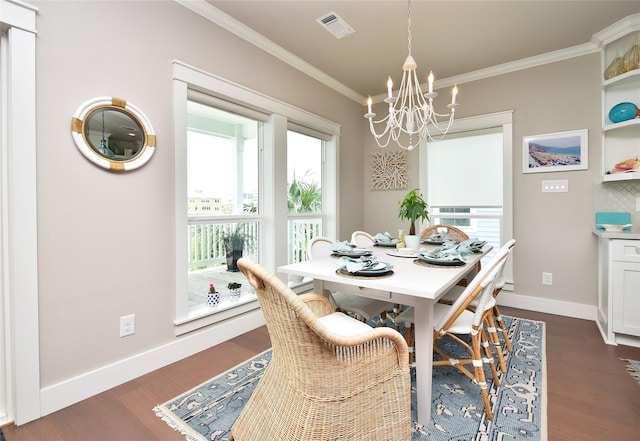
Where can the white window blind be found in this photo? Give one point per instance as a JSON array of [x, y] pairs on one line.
[[465, 170]]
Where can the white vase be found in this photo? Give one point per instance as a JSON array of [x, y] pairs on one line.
[[412, 241], [234, 294]]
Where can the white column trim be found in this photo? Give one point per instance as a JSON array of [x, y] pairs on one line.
[[19, 223]]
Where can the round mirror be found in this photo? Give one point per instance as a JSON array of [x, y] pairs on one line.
[[113, 134]]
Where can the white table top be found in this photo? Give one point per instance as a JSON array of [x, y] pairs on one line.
[[410, 278]]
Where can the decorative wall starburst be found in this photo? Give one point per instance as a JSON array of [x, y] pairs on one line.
[[389, 170]]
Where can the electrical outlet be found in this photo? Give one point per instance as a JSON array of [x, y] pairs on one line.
[[127, 325], [547, 278]]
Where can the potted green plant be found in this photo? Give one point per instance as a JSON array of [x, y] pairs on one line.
[[234, 289], [234, 241], [412, 208]]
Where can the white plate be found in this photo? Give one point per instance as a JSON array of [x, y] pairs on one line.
[[395, 253]]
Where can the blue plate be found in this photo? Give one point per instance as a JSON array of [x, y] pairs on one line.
[[442, 262], [356, 252], [379, 270]]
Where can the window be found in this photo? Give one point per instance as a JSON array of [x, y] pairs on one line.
[[454, 221], [232, 150], [468, 180], [304, 192], [222, 166]]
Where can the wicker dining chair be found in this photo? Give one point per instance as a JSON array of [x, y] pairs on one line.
[[455, 234], [331, 377], [362, 308], [362, 239], [495, 324], [456, 320]]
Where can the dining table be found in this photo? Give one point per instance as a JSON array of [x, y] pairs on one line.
[[411, 282]]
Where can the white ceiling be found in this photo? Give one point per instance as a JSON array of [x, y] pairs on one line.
[[449, 37]]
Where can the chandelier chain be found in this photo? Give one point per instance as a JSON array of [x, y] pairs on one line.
[[409, 27]]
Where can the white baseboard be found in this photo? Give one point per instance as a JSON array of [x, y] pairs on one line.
[[548, 306], [73, 390]]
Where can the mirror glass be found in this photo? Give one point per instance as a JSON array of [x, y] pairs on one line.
[[113, 133]]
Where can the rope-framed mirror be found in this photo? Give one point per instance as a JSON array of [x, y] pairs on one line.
[[113, 133]]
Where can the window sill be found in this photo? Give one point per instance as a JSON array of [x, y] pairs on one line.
[[204, 315]]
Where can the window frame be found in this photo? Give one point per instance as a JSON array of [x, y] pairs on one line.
[[503, 120], [273, 183]]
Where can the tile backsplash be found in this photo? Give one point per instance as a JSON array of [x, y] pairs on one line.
[[617, 196]]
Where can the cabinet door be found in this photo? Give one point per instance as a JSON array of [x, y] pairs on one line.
[[626, 297]]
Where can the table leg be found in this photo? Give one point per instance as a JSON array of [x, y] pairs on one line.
[[423, 328]]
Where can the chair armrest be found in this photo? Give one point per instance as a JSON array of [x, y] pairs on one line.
[[318, 304]]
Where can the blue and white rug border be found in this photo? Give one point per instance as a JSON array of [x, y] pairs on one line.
[[179, 425]]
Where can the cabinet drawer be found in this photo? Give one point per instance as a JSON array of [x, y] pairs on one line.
[[359, 290], [626, 250]]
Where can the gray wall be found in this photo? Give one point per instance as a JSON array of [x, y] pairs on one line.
[[106, 240], [553, 230]]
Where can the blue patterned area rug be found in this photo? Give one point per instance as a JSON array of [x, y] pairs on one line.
[[633, 367], [208, 411]]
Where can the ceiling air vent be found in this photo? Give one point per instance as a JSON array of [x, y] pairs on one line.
[[335, 24]]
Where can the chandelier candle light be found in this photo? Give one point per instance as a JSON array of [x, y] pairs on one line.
[[412, 111]]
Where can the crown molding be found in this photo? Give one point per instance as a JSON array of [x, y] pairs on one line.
[[619, 29], [227, 22], [232, 25]]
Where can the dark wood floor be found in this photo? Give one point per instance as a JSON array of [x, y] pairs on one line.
[[590, 395]]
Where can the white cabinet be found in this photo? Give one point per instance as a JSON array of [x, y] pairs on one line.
[[625, 286], [620, 141], [618, 315]]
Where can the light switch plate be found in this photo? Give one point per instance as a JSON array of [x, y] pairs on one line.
[[558, 186]]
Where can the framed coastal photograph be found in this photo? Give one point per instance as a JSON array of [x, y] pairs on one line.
[[563, 151]]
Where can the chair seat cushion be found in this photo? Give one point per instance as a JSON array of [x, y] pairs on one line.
[[366, 307], [341, 324]]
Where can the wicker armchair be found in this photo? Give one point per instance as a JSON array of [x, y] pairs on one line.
[[331, 377]]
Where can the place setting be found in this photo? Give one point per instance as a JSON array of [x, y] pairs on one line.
[[437, 239], [385, 240], [366, 266], [346, 249]]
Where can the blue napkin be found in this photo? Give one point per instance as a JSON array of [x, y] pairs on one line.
[[355, 265], [474, 244], [439, 237], [341, 247], [385, 239]]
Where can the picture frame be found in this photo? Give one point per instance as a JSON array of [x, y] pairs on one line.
[[554, 152]]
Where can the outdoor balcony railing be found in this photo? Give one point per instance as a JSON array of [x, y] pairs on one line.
[[206, 244]]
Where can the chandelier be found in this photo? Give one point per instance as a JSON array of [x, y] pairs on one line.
[[412, 116]]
